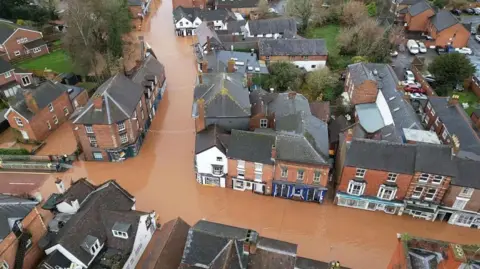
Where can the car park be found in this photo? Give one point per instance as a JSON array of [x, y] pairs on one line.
[[456, 11], [418, 96], [422, 48], [409, 76], [464, 50]]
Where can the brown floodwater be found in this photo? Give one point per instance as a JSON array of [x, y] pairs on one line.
[[162, 179]]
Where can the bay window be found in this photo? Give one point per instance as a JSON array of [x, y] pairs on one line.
[[386, 193], [356, 188]]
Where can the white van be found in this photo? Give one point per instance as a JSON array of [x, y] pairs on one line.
[[413, 46]]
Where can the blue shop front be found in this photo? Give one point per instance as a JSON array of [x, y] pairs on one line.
[[297, 191]]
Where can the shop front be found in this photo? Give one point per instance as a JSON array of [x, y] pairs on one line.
[[465, 219], [369, 203], [419, 209], [240, 184], [295, 191], [125, 152], [211, 180]]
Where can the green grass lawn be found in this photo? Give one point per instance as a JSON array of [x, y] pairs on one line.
[[57, 61], [467, 97], [329, 33]]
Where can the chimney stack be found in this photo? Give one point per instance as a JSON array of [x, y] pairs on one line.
[[142, 48], [30, 101], [205, 66], [250, 243], [274, 152], [60, 185], [453, 100], [291, 95], [231, 66], [97, 102], [349, 136], [455, 145], [249, 80]]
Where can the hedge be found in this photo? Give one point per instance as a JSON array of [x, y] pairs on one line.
[[14, 152]]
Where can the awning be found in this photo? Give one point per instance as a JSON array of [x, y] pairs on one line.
[[298, 185], [421, 209], [369, 199]]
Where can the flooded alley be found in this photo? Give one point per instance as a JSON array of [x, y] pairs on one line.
[[162, 179]]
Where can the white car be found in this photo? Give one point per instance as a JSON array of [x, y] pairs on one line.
[[422, 48], [394, 53], [409, 76], [411, 83], [477, 37], [464, 50], [418, 96]]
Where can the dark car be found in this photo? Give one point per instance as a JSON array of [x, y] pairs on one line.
[[469, 11], [444, 50], [456, 11]]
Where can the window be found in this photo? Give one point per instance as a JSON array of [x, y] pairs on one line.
[[120, 234], [445, 134], [123, 138], [49, 126], [89, 129], [217, 169], [392, 177], [219, 159], [241, 164], [437, 122], [94, 247], [465, 219], [143, 116], [135, 115], [263, 123], [121, 126], [314, 66], [430, 194], [305, 57], [93, 141], [3, 265], [65, 111], [22, 40], [258, 176], [258, 167], [437, 179], [429, 106], [17, 53], [466, 192], [427, 119], [316, 177], [417, 192], [284, 172], [50, 107], [140, 103], [18, 121], [37, 50], [180, 23], [26, 81], [423, 178], [55, 119], [360, 172], [8, 74], [300, 175], [460, 203], [267, 58], [386, 193], [356, 188], [97, 156], [29, 244], [433, 112]]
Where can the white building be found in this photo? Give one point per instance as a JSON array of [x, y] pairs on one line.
[[211, 164], [186, 20], [271, 28]]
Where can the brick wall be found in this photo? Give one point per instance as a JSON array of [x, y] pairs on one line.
[[458, 33], [374, 179], [11, 45], [81, 99], [420, 21], [200, 120], [398, 260], [453, 192], [475, 120], [308, 174], [5, 80], [441, 188], [267, 173], [255, 121], [365, 93], [34, 223], [438, 126]]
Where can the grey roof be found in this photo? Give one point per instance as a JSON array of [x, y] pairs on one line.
[[272, 26], [12, 208], [5, 66], [434, 159], [121, 226], [79, 190], [236, 4], [150, 67], [6, 30], [190, 13], [235, 26], [55, 258], [370, 117], [391, 133], [251, 146], [34, 44], [409, 2], [296, 148], [212, 136], [457, 122], [134, 2], [245, 62], [382, 155], [418, 8], [359, 73], [44, 94], [467, 173], [204, 32], [443, 20], [224, 95], [221, 14], [305, 263], [292, 47], [284, 103], [120, 98]]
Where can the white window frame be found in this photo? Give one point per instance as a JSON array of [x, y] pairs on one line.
[[427, 119], [258, 167], [22, 40], [445, 134], [28, 82], [143, 116], [360, 172], [49, 125], [123, 138], [140, 103], [241, 164], [119, 234], [436, 178], [121, 126], [284, 171], [8, 74], [300, 175], [429, 106], [316, 176], [352, 185], [93, 154], [383, 190], [95, 247], [219, 159], [89, 129], [263, 123], [18, 121], [422, 178], [37, 50], [258, 176], [437, 122], [464, 219], [433, 196], [392, 177], [466, 192], [17, 53], [4, 265], [65, 111], [50, 107], [55, 119], [460, 203], [93, 141], [217, 170], [432, 112], [415, 191]]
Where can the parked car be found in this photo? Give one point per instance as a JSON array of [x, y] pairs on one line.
[[412, 46], [394, 53], [427, 37], [429, 78], [443, 50], [418, 96], [469, 11], [422, 48], [410, 83], [464, 50], [459, 88], [477, 37], [456, 11], [413, 89], [477, 11], [409, 76]]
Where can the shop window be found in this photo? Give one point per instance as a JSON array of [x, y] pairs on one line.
[[284, 171], [417, 192]]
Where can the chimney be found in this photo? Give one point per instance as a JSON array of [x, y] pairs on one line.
[[205, 66], [274, 152], [209, 44], [250, 243], [97, 102], [231, 66], [291, 95], [200, 120], [452, 101], [30, 101], [455, 145], [60, 185], [349, 136], [200, 78]]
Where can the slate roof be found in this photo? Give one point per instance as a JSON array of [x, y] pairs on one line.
[[292, 47], [272, 26], [120, 98], [286, 103], [458, 123], [305, 263], [55, 258], [418, 8], [5, 66], [382, 155], [79, 190], [235, 26], [6, 30], [221, 14], [272, 254], [245, 62], [434, 159], [443, 20], [44, 94], [109, 203], [359, 73], [224, 95], [190, 13], [34, 44], [236, 3], [212, 136], [251, 146], [321, 110], [13, 208], [204, 32], [409, 2], [150, 67], [467, 173]]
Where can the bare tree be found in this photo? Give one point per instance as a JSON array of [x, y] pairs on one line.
[[262, 8], [302, 9], [353, 13]]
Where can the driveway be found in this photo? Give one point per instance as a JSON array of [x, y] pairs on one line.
[[404, 60]]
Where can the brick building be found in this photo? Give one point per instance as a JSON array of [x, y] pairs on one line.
[[17, 42], [112, 125], [39, 110], [418, 15], [360, 84], [12, 79], [475, 117]]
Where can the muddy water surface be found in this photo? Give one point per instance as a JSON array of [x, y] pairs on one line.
[[162, 179]]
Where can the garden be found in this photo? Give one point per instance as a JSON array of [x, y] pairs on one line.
[[57, 61]]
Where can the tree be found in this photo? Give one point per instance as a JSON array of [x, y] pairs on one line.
[[372, 9], [284, 76], [302, 9], [458, 3], [440, 3], [449, 70], [262, 8], [353, 13], [320, 82], [359, 59]]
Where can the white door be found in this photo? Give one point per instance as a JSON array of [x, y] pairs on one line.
[[222, 182], [24, 135], [258, 187]]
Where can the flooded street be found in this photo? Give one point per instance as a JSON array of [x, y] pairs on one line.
[[162, 179]]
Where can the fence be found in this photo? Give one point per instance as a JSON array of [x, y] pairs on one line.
[[50, 163]]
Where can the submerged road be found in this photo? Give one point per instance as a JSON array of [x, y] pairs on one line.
[[162, 179]]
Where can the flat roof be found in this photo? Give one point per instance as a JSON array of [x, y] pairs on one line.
[[421, 136]]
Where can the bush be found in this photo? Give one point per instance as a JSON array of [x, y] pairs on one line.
[[14, 152], [372, 9]]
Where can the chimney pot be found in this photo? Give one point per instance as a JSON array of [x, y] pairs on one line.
[[60, 185], [98, 101], [205, 66], [349, 136], [453, 100], [274, 152], [200, 78]]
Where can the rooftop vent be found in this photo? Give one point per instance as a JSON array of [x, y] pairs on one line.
[[396, 109], [391, 98], [257, 69]]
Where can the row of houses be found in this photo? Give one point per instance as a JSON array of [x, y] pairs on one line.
[[242, 7]]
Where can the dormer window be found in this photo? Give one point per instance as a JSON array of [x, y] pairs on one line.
[[91, 245], [121, 126], [120, 234], [3, 265], [94, 248], [50, 107], [121, 230]]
